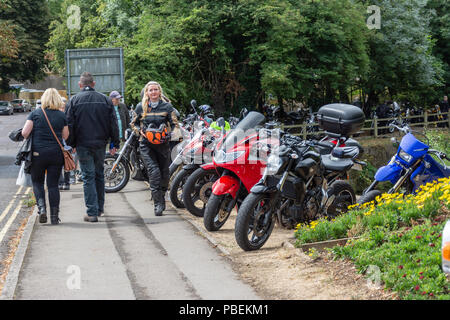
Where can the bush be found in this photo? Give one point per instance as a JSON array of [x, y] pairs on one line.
[[401, 235]]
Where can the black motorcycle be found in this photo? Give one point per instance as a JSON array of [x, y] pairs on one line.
[[124, 164], [299, 185]]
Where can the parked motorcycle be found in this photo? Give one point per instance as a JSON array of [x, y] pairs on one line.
[[240, 166], [411, 167], [299, 184], [196, 152], [117, 168]]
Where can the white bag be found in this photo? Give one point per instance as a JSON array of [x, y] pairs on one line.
[[24, 179]]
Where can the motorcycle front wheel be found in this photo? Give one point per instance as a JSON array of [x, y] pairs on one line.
[[217, 211], [369, 196], [176, 187], [118, 178], [197, 190], [254, 222]]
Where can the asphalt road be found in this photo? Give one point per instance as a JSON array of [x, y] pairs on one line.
[[12, 210]]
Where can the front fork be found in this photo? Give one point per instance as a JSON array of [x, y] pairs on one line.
[[121, 153], [399, 182]]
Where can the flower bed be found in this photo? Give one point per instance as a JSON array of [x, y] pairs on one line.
[[401, 235]]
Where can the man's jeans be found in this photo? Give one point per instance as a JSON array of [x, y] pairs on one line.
[[92, 166]]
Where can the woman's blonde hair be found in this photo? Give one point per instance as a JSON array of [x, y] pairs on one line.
[[51, 99], [145, 98]]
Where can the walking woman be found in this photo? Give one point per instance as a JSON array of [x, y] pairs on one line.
[[47, 155], [154, 119]]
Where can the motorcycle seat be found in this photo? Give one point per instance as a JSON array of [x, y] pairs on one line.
[[345, 152], [336, 164]]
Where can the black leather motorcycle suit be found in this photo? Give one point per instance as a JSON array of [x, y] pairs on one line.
[[155, 156]]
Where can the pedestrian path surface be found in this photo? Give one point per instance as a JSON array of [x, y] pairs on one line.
[[128, 254]]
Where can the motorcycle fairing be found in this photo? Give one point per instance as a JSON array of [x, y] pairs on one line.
[[208, 166], [226, 185], [390, 172], [412, 146]]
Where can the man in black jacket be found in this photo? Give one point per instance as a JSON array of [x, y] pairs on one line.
[[92, 124]]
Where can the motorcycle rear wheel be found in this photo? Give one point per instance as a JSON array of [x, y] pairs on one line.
[[217, 211], [345, 196], [118, 179], [250, 231]]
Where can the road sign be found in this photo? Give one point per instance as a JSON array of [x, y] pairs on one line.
[[105, 64]]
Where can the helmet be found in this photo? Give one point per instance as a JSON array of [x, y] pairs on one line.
[[205, 109], [156, 135]]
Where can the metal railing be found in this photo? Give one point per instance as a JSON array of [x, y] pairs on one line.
[[375, 127]]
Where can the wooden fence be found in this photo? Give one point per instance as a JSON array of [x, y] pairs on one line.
[[377, 127]]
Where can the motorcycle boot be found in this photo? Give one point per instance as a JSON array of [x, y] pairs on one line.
[[54, 215], [42, 210], [158, 201]]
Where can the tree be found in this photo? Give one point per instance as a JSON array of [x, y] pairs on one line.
[[440, 33], [8, 43], [401, 59], [30, 20]]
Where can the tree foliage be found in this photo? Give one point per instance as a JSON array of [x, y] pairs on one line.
[[235, 53], [22, 40], [401, 59]]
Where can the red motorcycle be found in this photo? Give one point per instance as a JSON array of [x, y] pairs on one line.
[[240, 158]]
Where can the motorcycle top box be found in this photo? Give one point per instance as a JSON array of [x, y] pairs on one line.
[[340, 119]]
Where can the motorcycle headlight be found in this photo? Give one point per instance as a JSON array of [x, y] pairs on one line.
[[221, 156], [405, 156], [273, 164]]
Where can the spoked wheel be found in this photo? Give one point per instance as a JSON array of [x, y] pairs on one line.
[[116, 179], [217, 211], [254, 222], [197, 190]]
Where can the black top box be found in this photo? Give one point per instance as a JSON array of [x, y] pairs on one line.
[[341, 119]]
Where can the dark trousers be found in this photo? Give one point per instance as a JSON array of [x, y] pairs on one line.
[[157, 161], [50, 160], [92, 167]]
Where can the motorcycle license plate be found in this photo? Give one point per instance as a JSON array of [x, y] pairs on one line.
[[357, 167]]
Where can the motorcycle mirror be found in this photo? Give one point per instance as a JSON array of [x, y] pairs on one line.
[[394, 141]]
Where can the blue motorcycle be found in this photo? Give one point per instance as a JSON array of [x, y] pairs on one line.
[[411, 167]]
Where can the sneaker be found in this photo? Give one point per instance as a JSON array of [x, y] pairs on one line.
[[66, 187], [61, 187], [100, 213], [90, 218]]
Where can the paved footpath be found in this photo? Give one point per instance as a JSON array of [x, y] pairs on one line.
[[128, 254]]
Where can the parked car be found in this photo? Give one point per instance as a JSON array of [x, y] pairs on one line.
[[21, 105], [6, 108]]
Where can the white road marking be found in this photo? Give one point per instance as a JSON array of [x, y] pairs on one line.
[[10, 221], [8, 207], [13, 216]]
